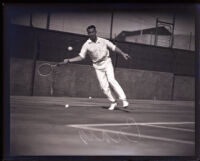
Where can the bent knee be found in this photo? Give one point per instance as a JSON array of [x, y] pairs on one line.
[[112, 80], [105, 89]]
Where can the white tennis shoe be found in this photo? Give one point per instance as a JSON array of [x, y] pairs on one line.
[[112, 106], [125, 103]]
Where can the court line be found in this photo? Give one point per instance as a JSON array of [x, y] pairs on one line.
[[171, 128], [122, 124], [134, 134]]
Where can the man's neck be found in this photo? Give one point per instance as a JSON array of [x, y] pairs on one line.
[[94, 40]]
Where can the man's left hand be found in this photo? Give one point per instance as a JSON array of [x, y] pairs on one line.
[[126, 56]]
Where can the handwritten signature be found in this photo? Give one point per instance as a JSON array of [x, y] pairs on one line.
[[124, 133]]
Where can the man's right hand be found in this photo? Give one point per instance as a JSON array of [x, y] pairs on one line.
[[66, 61]]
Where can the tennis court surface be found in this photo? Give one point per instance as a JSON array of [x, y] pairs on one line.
[[43, 126]]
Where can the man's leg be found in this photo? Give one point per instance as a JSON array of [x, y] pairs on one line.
[[103, 81], [115, 85]]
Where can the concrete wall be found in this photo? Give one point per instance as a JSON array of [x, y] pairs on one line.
[[184, 88], [80, 81], [69, 80], [21, 76], [143, 84]]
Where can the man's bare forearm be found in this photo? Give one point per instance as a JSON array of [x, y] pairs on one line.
[[75, 59], [118, 50], [125, 55]]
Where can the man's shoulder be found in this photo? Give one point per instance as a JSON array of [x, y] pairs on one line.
[[86, 42], [102, 39]]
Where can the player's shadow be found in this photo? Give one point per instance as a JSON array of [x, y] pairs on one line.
[[116, 109]]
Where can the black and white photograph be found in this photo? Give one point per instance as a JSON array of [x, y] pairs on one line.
[[100, 80]]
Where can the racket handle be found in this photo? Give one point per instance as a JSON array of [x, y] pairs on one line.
[[61, 63]]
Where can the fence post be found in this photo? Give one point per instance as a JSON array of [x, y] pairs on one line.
[[111, 25], [35, 57], [116, 56], [156, 34], [190, 40], [141, 33], [173, 72], [48, 20], [173, 24]]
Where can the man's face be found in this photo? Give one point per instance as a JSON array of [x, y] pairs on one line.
[[92, 33]]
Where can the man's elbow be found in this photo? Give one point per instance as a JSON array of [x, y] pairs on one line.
[[81, 58]]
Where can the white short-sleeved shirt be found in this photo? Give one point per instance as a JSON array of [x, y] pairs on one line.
[[98, 51]]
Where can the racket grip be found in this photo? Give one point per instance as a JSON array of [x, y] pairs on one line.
[[61, 63]]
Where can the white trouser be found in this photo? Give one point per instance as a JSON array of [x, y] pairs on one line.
[[106, 79]]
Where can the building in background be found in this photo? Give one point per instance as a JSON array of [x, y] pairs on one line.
[[146, 36]]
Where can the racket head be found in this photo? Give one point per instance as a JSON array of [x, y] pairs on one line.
[[45, 69]]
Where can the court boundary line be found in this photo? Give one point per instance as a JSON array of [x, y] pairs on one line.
[[144, 123], [92, 127], [171, 128]]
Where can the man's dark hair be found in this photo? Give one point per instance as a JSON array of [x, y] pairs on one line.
[[90, 27]]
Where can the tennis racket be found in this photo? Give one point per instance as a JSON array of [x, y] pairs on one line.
[[46, 69]]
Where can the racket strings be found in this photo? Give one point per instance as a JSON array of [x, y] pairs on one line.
[[45, 69]]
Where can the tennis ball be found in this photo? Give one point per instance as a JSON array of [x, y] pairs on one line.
[[66, 106], [70, 48], [90, 97]]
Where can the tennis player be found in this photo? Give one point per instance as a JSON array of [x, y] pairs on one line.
[[97, 48]]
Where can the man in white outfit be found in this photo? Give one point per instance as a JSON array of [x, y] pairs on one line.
[[97, 48]]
